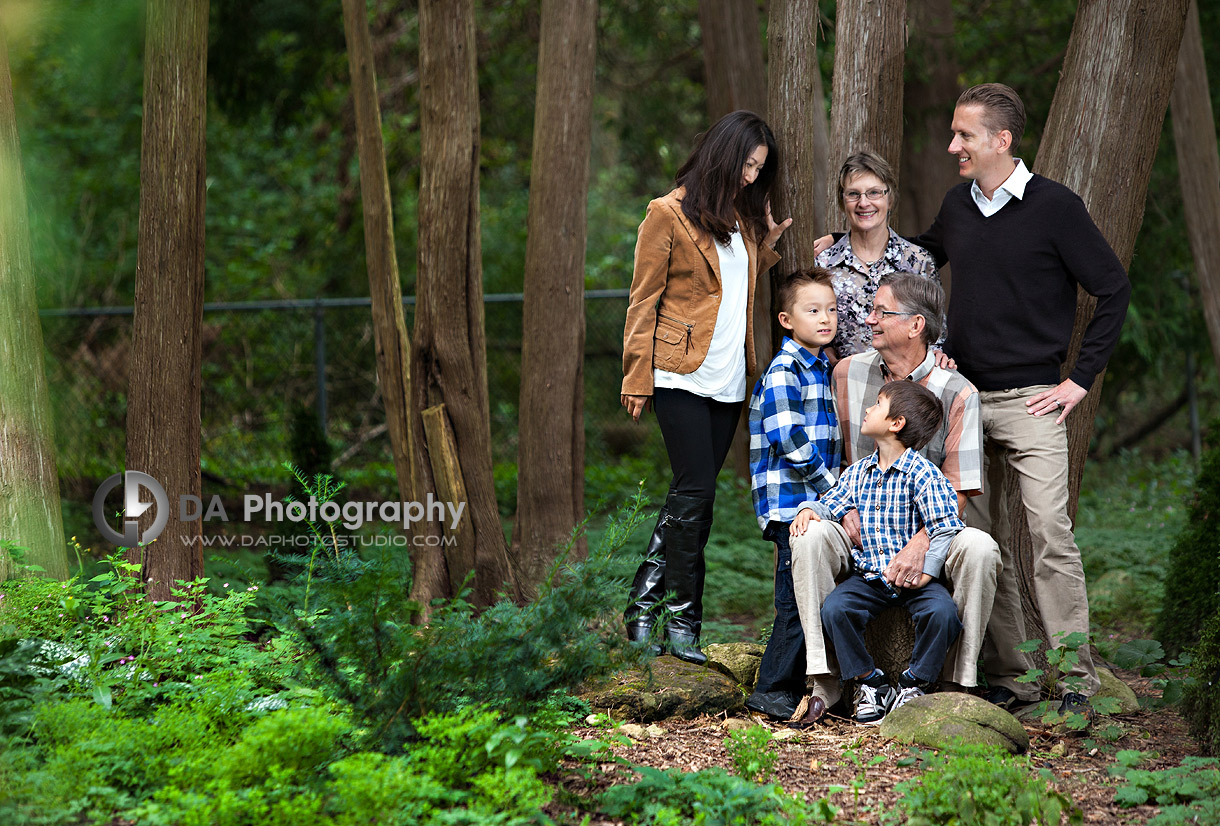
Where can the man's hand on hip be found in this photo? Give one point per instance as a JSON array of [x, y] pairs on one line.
[[1063, 397]]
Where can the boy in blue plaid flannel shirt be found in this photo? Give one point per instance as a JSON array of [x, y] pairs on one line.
[[897, 492], [795, 450]]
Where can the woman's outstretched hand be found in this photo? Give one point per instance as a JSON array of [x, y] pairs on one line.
[[774, 230], [636, 405]]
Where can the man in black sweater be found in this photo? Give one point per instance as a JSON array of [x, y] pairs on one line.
[[1019, 245]]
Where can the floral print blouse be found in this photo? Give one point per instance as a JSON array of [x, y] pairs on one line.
[[855, 284]]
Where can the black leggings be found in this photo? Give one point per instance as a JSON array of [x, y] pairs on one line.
[[698, 433]]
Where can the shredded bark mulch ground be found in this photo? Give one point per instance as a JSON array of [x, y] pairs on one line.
[[837, 752]]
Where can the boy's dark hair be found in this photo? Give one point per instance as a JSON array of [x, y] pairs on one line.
[[1002, 108], [786, 296], [919, 407]]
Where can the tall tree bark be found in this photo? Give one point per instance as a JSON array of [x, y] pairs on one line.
[[734, 78], [448, 355], [799, 122], [1102, 147], [733, 73], [1194, 135], [389, 326], [866, 92], [29, 506], [929, 92], [551, 441], [798, 106], [163, 425]]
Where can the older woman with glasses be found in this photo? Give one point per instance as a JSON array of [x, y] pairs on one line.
[[870, 249]]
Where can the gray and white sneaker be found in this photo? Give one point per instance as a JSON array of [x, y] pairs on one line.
[[905, 694], [873, 702]]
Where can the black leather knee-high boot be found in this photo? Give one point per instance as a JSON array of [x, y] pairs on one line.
[[686, 534], [648, 588]]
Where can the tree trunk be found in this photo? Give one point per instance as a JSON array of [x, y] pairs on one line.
[[551, 441], [866, 93], [733, 74], [928, 95], [795, 97], [448, 355], [1102, 147], [163, 426], [29, 508], [1194, 135], [389, 327], [734, 78], [799, 123]]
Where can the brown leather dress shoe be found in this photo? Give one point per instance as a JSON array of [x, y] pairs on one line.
[[809, 713]]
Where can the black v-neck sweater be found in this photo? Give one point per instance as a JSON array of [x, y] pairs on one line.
[[1014, 286]]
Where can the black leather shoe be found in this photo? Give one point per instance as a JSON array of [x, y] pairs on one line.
[[1002, 697], [778, 705], [684, 646], [1074, 703]]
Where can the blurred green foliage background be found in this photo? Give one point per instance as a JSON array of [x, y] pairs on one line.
[[284, 218]]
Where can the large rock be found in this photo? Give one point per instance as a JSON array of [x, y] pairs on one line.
[[670, 688], [739, 660], [1111, 686], [939, 720]]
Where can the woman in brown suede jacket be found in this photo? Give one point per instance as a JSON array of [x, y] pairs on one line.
[[688, 347]]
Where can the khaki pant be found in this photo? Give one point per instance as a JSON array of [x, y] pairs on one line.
[[1036, 448], [821, 557]]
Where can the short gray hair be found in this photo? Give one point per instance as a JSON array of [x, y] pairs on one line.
[[868, 162], [919, 296]]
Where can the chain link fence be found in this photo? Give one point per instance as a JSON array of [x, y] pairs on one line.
[[265, 361]]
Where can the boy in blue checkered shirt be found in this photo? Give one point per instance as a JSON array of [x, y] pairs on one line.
[[897, 492], [795, 450]]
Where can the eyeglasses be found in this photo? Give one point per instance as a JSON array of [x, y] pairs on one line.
[[851, 196], [890, 312]]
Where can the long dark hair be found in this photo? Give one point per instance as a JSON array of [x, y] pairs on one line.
[[712, 177]]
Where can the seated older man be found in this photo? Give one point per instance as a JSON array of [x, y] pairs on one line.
[[906, 318]]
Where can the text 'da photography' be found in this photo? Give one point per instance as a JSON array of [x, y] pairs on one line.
[[132, 508]]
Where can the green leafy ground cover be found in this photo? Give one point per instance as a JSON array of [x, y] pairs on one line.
[[237, 705]]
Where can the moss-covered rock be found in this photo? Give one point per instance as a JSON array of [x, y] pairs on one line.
[[739, 660], [668, 688], [1111, 686], [941, 720]]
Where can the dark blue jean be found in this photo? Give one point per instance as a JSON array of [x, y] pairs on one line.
[[856, 600], [783, 663]]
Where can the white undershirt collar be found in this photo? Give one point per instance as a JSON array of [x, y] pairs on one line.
[[1013, 187]]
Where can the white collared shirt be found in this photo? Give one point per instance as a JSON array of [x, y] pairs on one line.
[[1013, 187]]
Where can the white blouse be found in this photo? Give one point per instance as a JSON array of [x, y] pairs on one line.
[[722, 376]]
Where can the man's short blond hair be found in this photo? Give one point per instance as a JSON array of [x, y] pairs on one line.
[[1002, 109]]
